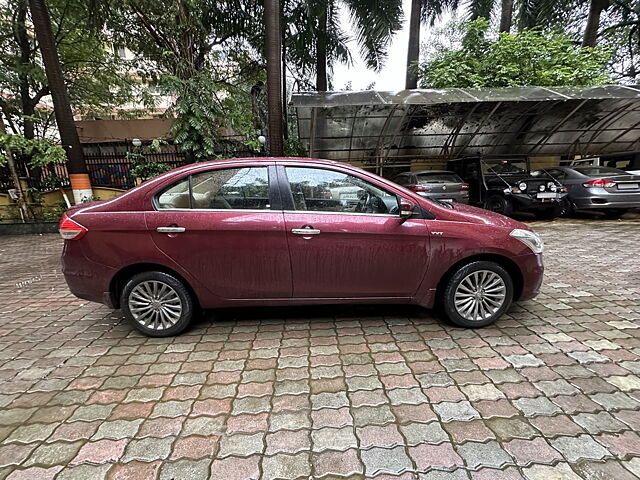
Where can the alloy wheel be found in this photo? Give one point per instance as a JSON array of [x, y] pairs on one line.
[[154, 304], [480, 295]]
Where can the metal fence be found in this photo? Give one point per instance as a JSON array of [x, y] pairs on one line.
[[107, 164]]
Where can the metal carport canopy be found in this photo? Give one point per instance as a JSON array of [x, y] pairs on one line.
[[380, 128]]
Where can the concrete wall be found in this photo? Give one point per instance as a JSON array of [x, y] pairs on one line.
[[51, 203]]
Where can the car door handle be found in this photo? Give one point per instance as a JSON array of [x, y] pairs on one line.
[[170, 229], [305, 231]]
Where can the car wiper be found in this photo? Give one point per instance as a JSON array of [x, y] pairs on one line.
[[440, 202]]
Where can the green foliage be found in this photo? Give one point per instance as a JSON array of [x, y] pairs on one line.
[[42, 151], [93, 74], [142, 167], [530, 57]]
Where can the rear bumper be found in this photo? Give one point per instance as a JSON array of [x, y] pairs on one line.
[[86, 279], [532, 270], [606, 200]]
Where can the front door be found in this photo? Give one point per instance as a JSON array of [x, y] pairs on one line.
[[219, 226], [346, 238]]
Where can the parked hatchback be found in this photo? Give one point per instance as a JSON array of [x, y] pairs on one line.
[[436, 184], [292, 231]]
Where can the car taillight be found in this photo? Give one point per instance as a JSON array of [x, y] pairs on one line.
[[71, 230], [464, 187], [419, 188], [599, 182]]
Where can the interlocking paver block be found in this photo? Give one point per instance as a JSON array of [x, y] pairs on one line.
[[337, 463], [489, 454], [378, 436], [416, 433], [520, 361], [118, 429], [610, 469], [582, 447], [485, 391], [235, 468], [527, 452], [449, 411], [595, 423], [440, 456], [333, 439], [286, 467], [510, 428], [536, 406], [185, 469], [386, 460], [561, 471]]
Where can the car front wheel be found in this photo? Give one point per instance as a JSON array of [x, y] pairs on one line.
[[498, 204], [157, 304], [477, 294]]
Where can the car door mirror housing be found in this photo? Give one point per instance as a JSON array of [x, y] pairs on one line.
[[406, 208]]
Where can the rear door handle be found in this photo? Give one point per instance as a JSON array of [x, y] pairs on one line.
[[305, 231], [170, 229]]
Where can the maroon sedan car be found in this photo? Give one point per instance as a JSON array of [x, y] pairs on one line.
[[290, 232]]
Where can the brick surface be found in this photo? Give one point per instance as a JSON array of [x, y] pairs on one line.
[[550, 391]]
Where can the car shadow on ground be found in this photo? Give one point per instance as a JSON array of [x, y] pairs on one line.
[[319, 313]]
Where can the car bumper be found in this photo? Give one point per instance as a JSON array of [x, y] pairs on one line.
[[526, 202], [86, 279], [605, 200], [532, 270]]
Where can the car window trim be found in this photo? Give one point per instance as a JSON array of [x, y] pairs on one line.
[[275, 201]]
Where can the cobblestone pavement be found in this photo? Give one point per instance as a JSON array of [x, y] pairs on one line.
[[551, 391]]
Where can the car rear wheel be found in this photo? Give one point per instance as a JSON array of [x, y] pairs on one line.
[[498, 204], [157, 304], [477, 294]]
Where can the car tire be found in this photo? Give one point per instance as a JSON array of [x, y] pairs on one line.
[[567, 208], [498, 204], [458, 301], [157, 304]]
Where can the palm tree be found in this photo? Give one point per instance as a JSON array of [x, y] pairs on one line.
[[273, 52], [422, 11], [314, 36], [62, 107]]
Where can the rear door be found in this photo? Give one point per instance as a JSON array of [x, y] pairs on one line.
[[226, 228], [346, 238]]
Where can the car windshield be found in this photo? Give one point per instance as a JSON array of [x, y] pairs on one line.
[[595, 171], [426, 178], [505, 167]]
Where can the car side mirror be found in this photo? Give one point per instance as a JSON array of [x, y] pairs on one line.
[[406, 208]]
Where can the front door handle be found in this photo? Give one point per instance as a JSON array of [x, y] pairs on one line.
[[170, 229], [305, 231]]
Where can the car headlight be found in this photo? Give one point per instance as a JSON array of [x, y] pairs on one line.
[[542, 188], [522, 185], [530, 239], [552, 186]]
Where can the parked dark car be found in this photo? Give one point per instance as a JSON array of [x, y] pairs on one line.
[[505, 185], [281, 232], [601, 189], [437, 184]]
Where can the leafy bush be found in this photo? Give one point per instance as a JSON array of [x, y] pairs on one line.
[[530, 57]]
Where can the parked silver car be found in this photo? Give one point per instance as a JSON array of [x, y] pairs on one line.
[[441, 185], [596, 188]]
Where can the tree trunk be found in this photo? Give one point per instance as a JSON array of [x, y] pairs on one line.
[[321, 49], [22, 38], [596, 8], [506, 16], [285, 120], [273, 50], [62, 107], [413, 52], [25, 211]]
